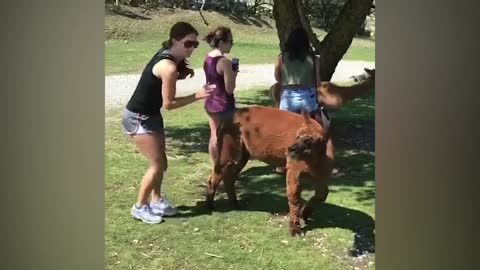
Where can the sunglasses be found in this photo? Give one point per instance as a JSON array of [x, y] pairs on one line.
[[231, 41], [190, 43]]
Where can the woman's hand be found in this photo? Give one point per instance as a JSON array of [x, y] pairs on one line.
[[205, 91]]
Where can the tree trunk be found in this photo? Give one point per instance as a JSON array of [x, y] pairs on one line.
[[336, 42], [286, 19]]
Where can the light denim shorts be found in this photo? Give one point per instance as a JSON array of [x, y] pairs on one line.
[[296, 100]]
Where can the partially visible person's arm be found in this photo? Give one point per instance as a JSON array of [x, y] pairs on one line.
[[167, 71], [278, 68], [224, 67], [276, 88], [317, 68]]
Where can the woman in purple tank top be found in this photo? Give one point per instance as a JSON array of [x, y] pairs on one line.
[[220, 72]]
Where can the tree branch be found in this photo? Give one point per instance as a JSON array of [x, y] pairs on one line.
[[339, 39]]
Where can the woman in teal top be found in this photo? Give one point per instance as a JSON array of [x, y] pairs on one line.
[[297, 71]]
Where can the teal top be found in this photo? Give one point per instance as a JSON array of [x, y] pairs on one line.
[[295, 72]]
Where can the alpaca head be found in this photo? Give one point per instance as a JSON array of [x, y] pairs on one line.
[[310, 141], [368, 74]]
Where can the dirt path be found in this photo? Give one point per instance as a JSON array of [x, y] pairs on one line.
[[119, 88]]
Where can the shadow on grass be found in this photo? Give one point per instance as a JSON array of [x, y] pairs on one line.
[[353, 126], [245, 19], [361, 224], [112, 9], [358, 136], [188, 140], [267, 194], [353, 170], [261, 98]]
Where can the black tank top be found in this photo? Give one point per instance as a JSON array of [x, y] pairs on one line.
[[147, 98]]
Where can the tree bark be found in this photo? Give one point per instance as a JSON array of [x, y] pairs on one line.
[[289, 14], [286, 19]]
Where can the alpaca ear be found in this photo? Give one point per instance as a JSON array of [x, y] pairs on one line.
[[370, 72]]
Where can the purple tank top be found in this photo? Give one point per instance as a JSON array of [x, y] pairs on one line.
[[220, 100]]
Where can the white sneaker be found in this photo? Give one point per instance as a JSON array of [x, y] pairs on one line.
[[145, 214], [163, 208]]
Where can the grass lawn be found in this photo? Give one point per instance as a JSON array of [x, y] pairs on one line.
[[255, 237], [130, 42]]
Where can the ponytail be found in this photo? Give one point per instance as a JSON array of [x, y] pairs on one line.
[[210, 39], [167, 44], [214, 37]]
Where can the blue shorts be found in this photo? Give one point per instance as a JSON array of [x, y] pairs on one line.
[[296, 100]]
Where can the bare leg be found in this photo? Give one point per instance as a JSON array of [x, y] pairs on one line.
[[157, 187], [213, 122], [222, 168], [152, 146], [276, 91]]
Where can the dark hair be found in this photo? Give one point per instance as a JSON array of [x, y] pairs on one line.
[[298, 45], [177, 32], [214, 37]]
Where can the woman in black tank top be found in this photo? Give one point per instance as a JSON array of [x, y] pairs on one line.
[[143, 122]]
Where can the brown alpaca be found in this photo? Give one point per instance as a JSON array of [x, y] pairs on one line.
[[295, 141], [333, 96]]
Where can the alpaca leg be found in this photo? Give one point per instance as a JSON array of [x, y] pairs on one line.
[[321, 194], [321, 190], [229, 182], [320, 179], [222, 165], [233, 176], [294, 200], [245, 157], [212, 184]]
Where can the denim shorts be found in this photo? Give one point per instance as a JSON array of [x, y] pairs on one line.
[[136, 123], [296, 100]]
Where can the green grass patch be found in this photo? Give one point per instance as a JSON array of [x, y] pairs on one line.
[[255, 237], [129, 43]]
